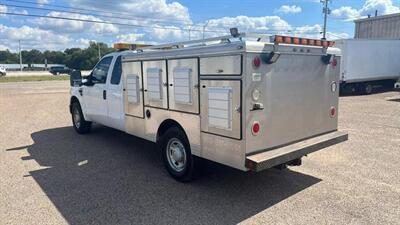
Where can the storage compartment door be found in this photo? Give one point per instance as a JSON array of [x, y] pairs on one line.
[[183, 85], [221, 107], [155, 84], [221, 65], [133, 95]]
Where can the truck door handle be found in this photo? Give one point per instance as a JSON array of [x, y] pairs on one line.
[[104, 94], [80, 92]]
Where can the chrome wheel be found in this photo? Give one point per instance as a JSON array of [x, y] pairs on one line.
[[77, 118], [176, 154]]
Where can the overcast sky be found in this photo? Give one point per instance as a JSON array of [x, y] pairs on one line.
[[160, 21]]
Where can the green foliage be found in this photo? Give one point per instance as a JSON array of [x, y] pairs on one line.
[[75, 58], [8, 57]]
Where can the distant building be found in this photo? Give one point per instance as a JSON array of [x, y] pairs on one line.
[[378, 27]]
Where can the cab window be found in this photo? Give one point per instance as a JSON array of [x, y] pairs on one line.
[[99, 74], [117, 71]]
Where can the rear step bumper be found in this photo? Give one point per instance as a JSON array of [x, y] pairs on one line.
[[277, 156]]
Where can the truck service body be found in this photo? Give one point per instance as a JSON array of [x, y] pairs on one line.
[[248, 104], [367, 63]]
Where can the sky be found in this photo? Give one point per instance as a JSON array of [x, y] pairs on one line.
[[163, 21]]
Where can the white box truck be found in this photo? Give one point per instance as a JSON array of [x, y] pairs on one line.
[[366, 64], [241, 100]]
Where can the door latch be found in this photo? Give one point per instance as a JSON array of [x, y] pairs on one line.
[[104, 94]]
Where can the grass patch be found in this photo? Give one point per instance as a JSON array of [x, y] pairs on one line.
[[32, 78]]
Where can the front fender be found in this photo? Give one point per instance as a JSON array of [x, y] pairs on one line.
[[76, 96]]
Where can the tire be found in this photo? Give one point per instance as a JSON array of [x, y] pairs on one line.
[[177, 156], [81, 126], [367, 89]]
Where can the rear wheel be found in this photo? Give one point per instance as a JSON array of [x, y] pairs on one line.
[[367, 89], [80, 124], [177, 157]]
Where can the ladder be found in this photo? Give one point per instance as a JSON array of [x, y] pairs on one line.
[[207, 41]]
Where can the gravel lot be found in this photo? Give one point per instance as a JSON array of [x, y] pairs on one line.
[[51, 175]]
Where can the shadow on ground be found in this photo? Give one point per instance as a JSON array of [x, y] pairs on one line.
[[109, 177]]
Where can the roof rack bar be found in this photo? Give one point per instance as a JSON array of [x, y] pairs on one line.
[[226, 38]]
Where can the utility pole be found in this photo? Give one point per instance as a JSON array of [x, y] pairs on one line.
[[20, 55], [204, 28], [190, 29], [98, 47], [326, 10]]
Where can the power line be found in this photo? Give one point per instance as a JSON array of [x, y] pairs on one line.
[[104, 22], [132, 25], [86, 14], [130, 17], [93, 10]]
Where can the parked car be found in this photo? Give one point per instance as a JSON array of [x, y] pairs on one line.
[[3, 71], [57, 70]]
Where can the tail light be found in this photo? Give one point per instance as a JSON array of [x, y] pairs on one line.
[[255, 129], [333, 112], [334, 62], [256, 62]]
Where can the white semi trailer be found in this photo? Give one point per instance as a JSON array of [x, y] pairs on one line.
[[366, 64], [244, 101]]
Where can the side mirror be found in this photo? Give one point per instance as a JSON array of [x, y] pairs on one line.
[[75, 78], [87, 80]]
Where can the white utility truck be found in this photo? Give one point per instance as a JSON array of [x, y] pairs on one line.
[[366, 64], [251, 102]]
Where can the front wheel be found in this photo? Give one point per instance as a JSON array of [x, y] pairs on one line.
[[177, 157], [80, 124]]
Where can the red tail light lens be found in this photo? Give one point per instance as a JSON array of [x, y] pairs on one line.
[[334, 62], [256, 62], [333, 112], [255, 129]]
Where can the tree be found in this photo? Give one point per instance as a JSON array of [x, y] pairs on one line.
[[8, 57], [32, 57], [76, 58]]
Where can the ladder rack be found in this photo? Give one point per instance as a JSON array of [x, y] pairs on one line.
[[220, 39]]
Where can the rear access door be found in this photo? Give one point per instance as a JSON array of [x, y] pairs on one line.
[[299, 98]]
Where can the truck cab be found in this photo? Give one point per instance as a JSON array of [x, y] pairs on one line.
[[100, 94]]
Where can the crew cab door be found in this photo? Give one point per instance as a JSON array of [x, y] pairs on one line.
[[95, 96], [114, 97]]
